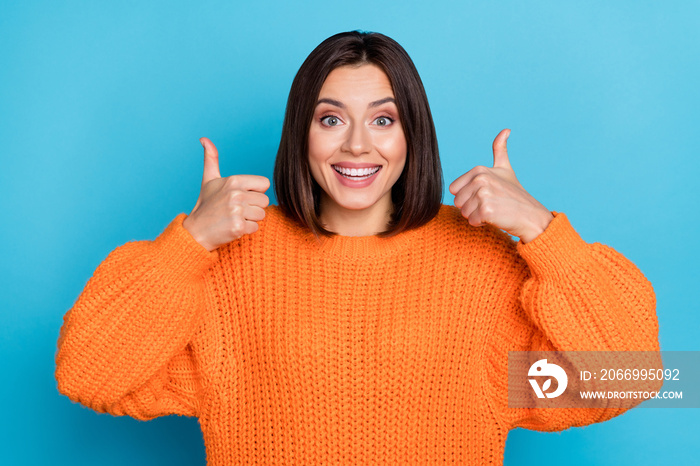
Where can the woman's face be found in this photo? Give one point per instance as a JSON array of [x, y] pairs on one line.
[[356, 130]]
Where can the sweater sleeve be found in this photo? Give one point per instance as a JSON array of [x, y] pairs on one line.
[[125, 346], [571, 296]]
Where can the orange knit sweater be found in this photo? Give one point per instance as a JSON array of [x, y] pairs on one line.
[[355, 350]]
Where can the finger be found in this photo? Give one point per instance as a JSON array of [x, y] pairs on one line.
[[500, 151], [257, 199], [472, 211], [253, 213], [251, 198], [250, 227], [463, 195], [211, 161], [250, 183], [477, 177], [458, 184], [476, 189]]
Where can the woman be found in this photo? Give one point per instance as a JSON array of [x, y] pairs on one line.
[[360, 321]]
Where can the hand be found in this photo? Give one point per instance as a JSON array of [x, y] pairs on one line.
[[495, 196], [227, 208]]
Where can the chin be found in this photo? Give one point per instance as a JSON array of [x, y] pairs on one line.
[[355, 204]]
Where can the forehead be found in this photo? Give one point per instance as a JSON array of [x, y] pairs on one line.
[[366, 80]]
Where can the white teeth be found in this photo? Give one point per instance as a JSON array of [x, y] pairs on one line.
[[356, 171]]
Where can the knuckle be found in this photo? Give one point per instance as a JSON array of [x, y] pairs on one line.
[[486, 211], [483, 193], [237, 225], [234, 197], [481, 178], [237, 210]]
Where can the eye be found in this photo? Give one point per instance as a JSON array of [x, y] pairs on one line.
[[330, 120], [383, 121]]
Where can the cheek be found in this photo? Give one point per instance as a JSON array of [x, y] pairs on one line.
[[321, 144], [317, 155], [393, 148], [314, 146]]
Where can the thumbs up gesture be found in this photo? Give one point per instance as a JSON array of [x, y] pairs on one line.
[[227, 208], [495, 196]]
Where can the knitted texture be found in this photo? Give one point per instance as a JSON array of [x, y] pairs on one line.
[[351, 350]]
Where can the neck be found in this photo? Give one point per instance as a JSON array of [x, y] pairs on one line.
[[356, 222]]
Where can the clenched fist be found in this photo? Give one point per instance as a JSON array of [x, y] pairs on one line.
[[227, 208], [495, 196]]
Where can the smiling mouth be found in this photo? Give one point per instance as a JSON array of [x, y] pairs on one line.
[[357, 174]]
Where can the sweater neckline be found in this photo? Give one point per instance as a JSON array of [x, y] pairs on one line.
[[364, 247], [352, 247]]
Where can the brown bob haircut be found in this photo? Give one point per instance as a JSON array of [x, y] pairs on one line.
[[417, 194]]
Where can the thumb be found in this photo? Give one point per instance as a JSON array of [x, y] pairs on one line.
[[211, 161], [500, 151]]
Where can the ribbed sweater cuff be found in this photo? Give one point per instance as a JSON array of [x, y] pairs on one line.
[[556, 246], [178, 247]]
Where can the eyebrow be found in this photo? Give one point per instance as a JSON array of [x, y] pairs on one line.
[[339, 104]]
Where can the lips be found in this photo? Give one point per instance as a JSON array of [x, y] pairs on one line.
[[357, 175]]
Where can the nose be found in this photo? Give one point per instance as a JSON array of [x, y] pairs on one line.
[[358, 140]]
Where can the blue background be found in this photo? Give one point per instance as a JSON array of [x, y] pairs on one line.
[[102, 105]]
